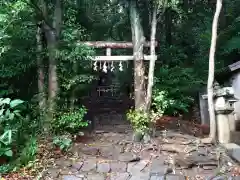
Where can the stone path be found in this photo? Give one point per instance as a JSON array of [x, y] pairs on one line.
[[113, 156]]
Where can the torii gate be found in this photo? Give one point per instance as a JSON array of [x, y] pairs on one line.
[[108, 58], [108, 61]]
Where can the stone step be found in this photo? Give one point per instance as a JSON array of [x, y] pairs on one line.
[[233, 151]]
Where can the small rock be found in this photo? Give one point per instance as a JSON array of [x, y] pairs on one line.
[[126, 157], [103, 167], [118, 167], [119, 176], [89, 165]]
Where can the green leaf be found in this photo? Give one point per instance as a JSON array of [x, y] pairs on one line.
[[5, 101], [62, 147], [15, 103], [1, 112], [9, 153]]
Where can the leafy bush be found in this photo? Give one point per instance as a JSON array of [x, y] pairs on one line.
[[16, 127], [29, 151], [161, 101], [63, 142], [139, 120], [10, 119], [70, 121], [174, 88]]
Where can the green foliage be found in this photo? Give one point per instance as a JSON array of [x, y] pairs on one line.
[[139, 120], [5, 144], [75, 71], [63, 142], [16, 128], [29, 152], [5, 168], [70, 121], [173, 90], [161, 102]]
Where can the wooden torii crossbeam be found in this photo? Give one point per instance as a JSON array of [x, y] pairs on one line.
[[115, 45]]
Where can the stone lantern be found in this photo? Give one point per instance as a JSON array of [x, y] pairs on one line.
[[224, 100]]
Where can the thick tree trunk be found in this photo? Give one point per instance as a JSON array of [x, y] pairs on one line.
[[51, 34], [52, 74], [41, 74], [139, 69], [52, 39], [212, 135], [152, 61], [168, 24]]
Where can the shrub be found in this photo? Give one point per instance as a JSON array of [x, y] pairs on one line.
[[63, 142], [70, 121], [16, 127], [139, 120], [11, 120], [174, 88]]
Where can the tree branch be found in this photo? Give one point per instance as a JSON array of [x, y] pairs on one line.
[[38, 10]]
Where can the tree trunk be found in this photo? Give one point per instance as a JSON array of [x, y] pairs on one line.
[[52, 74], [139, 69], [152, 61], [212, 135], [40, 70], [52, 39], [168, 24], [73, 89], [51, 34]]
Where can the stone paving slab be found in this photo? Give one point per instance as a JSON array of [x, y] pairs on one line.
[[119, 176], [118, 167], [103, 167], [96, 176], [140, 176], [169, 177], [135, 168], [157, 166], [89, 165], [71, 177]]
